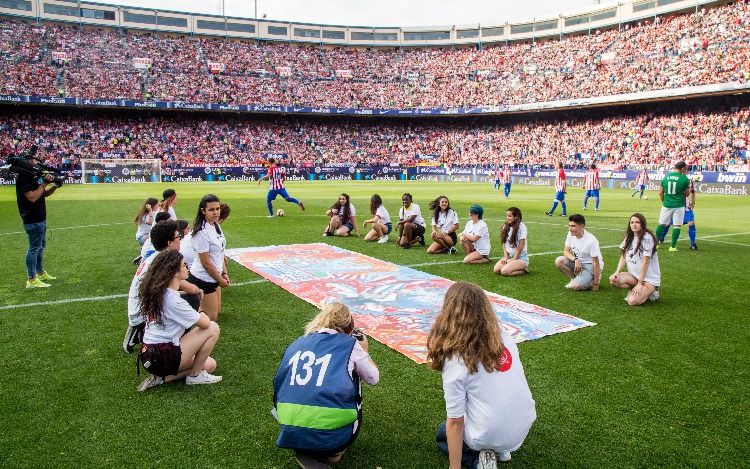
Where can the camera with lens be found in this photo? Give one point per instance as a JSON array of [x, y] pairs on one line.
[[21, 164], [358, 334]]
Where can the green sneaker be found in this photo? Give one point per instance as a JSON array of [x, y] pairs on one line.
[[36, 283], [45, 276]]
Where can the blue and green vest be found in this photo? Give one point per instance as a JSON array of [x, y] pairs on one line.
[[317, 402]]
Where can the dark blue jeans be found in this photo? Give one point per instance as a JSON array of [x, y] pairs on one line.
[[468, 455], [37, 243]]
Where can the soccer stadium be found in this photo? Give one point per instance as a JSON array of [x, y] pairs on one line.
[[316, 205]]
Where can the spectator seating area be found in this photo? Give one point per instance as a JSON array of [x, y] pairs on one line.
[[710, 46], [708, 139]]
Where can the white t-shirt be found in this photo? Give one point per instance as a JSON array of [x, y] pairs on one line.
[[134, 304], [522, 233], [170, 210], [482, 245], [143, 226], [147, 246], [177, 315], [352, 212], [446, 221], [210, 241], [381, 212], [414, 209], [584, 248], [497, 407], [186, 248], [635, 260]]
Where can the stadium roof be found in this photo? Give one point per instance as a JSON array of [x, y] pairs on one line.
[[377, 13]]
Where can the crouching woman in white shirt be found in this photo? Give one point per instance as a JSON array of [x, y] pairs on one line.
[[643, 275], [168, 352], [488, 402]]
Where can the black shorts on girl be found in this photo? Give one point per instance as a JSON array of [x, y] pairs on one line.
[[207, 287], [161, 359]]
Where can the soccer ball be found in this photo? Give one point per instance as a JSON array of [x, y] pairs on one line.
[[645, 197], [279, 213]]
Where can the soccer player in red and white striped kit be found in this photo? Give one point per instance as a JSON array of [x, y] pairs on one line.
[[592, 185], [276, 176]]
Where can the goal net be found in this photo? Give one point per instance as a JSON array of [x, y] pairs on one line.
[[98, 171]]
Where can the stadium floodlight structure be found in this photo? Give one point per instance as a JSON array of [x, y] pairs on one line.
[[98, 171]]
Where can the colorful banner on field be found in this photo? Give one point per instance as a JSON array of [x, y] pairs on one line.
[[395, 305]]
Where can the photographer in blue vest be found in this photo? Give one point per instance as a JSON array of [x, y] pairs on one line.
[[317, 393]]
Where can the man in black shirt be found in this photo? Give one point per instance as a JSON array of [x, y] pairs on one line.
[[30, 195]]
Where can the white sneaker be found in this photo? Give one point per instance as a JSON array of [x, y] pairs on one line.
[[383, 240], [150, 382], [569, 285], [487, 459], [204, 377], [654, 296], [503, 456], [269, 216]]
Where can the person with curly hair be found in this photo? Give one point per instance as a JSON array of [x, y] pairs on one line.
[[168, 352], [317, 394], [487, 399]]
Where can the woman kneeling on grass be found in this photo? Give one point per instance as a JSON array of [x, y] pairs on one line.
[[381, 221], [513, 236], [168, 352], [639, 253], [475, 239], [487, 399], [317, 394]]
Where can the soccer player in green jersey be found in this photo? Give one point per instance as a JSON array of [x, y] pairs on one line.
[[675, 187]]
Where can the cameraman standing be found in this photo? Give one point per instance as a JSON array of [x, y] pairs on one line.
[[30, 195]]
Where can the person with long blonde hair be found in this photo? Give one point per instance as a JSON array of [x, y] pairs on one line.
[[318, 381], [487, 399]]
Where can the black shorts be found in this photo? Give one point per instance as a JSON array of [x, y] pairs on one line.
[[207, 287], [453, 237], [161, 359], [417, 231]]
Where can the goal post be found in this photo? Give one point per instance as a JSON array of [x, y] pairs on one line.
[[108, 171]]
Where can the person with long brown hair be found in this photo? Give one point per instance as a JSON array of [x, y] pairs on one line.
[[145, 219], [444, 226], [318, 380], [168, 353], [342, 220], [381, 221], [169, 198], [487, 399], [643, 275], [208, 270], [513, 235]]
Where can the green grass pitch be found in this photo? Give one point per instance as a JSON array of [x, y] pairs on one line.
[[665, 384]]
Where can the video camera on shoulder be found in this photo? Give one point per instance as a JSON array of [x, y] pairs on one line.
[[21, 164]]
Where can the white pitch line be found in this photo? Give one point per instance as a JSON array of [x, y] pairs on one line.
[[724, 242], [102, 298], [530, 255]]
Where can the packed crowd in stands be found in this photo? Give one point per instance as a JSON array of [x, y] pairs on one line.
[[708, 139], [711, 46]]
